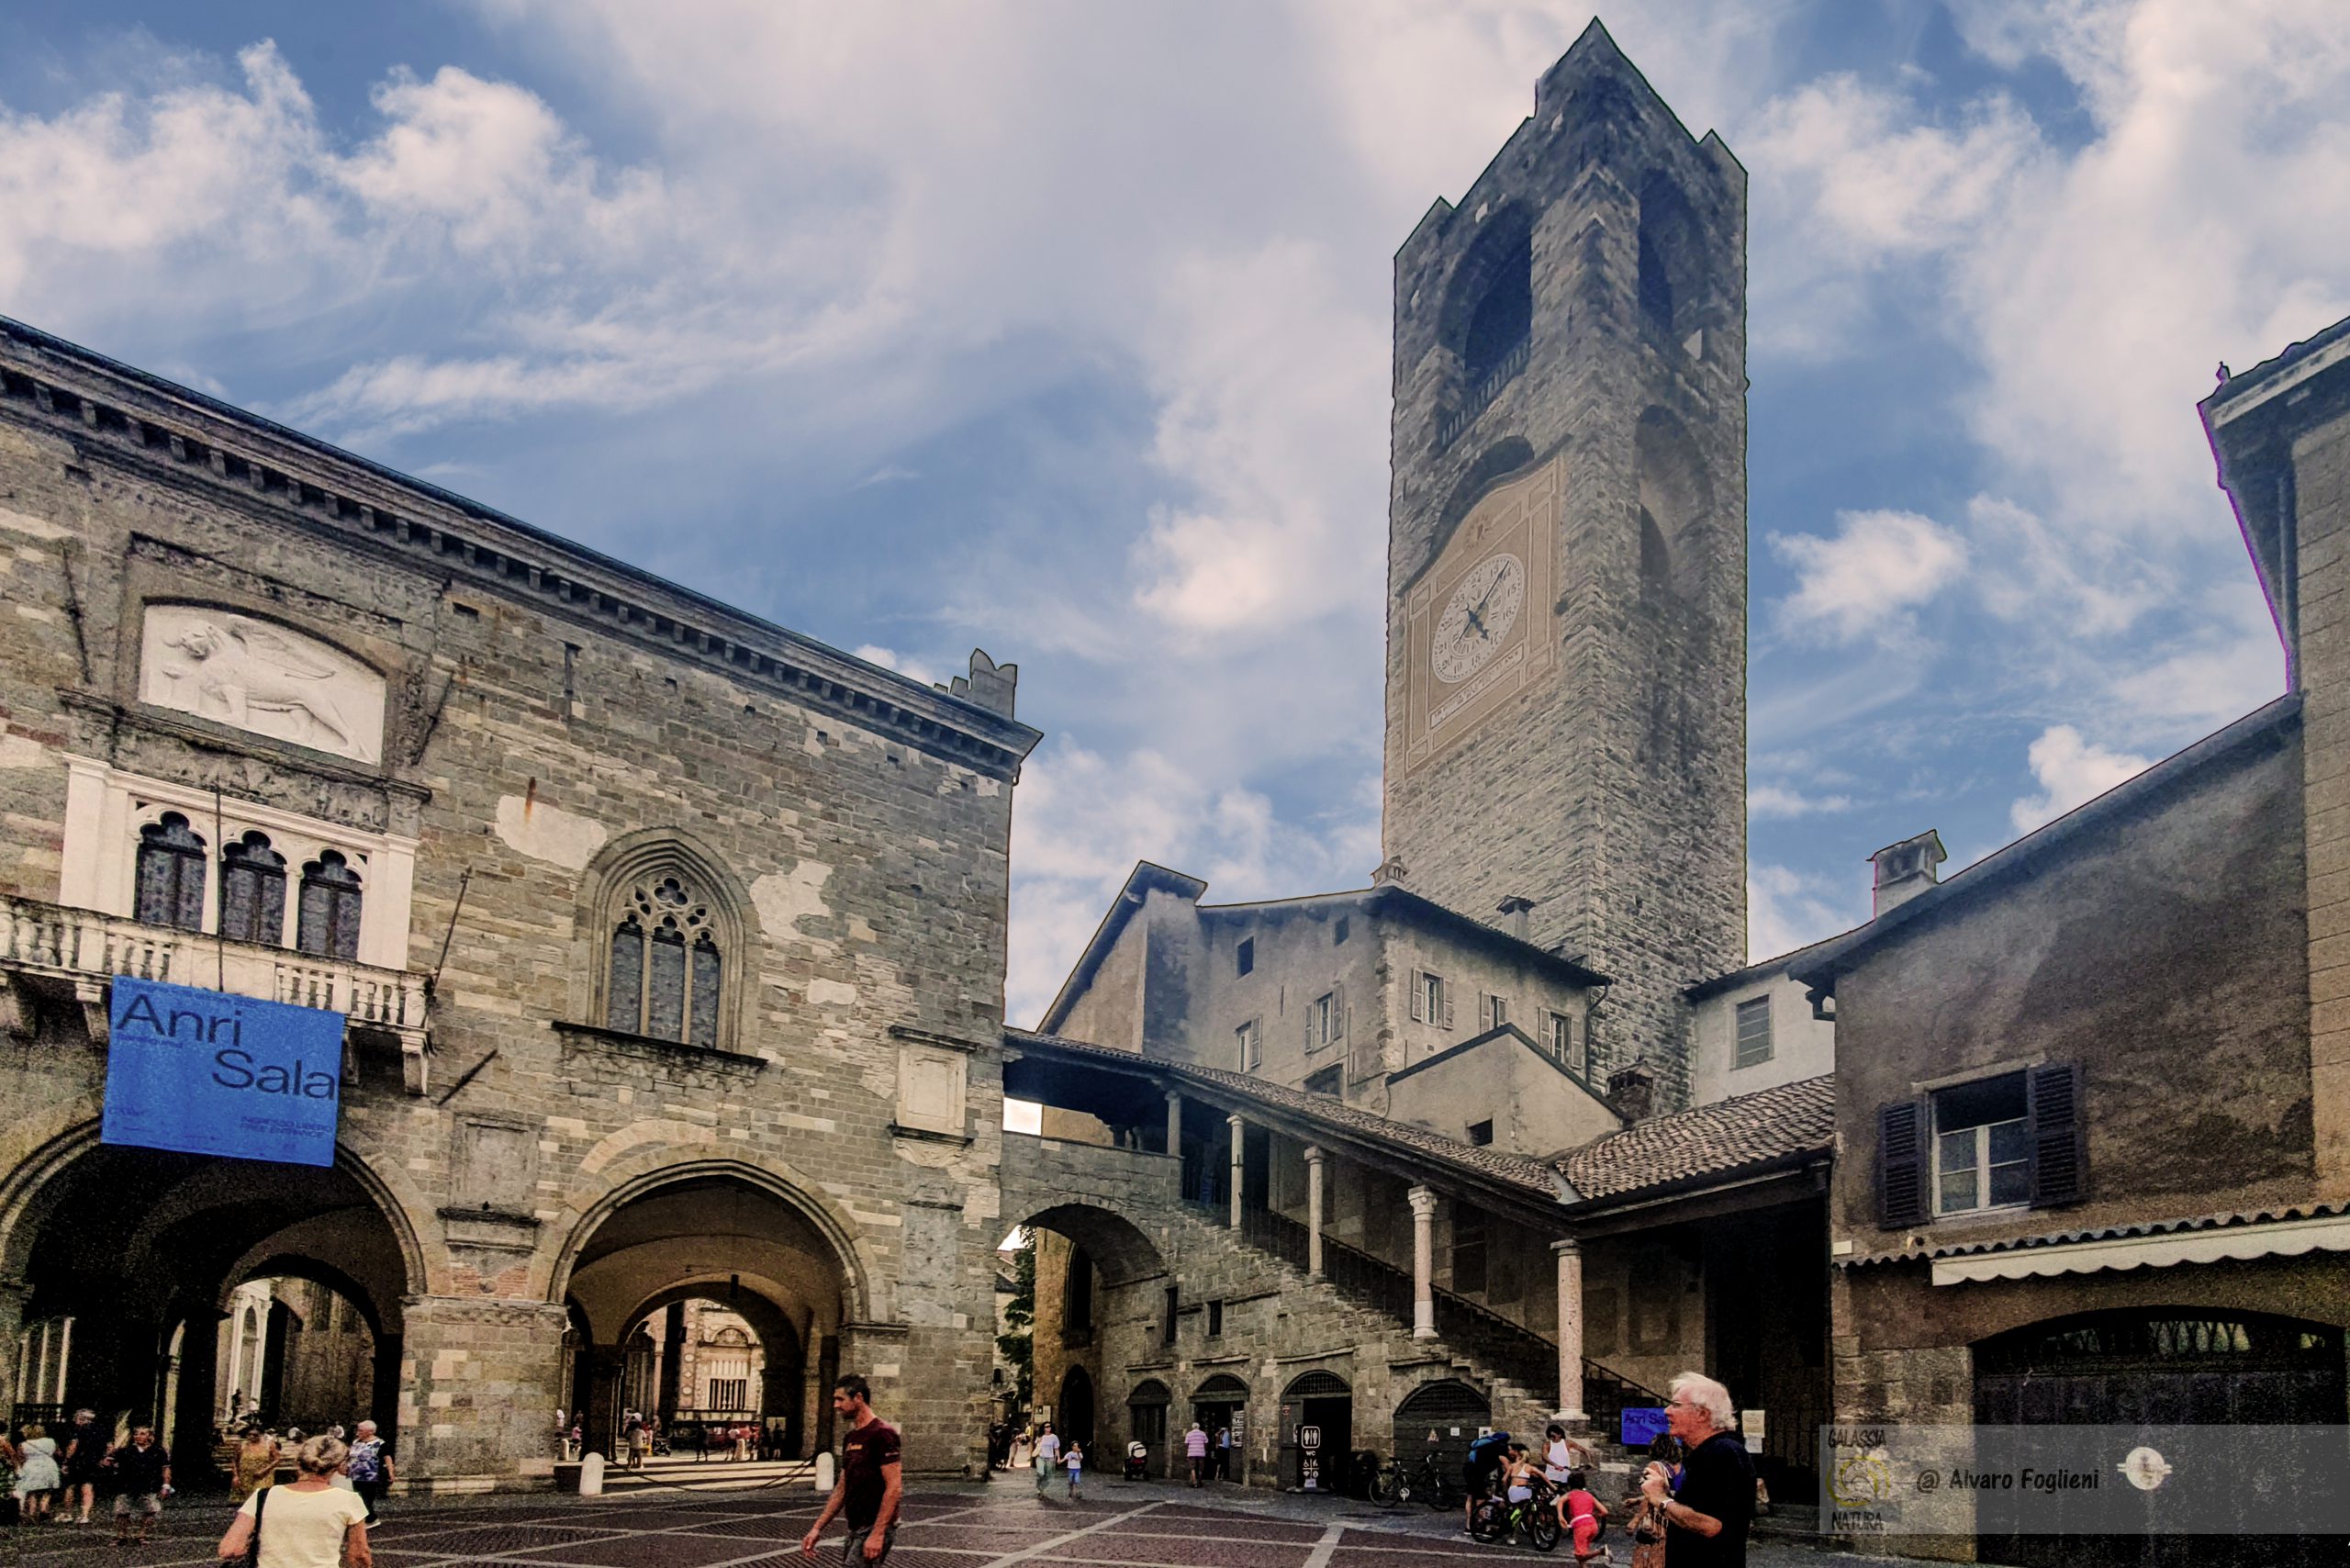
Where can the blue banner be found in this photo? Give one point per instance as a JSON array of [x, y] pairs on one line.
[[1642, 1425], [204, 1072]]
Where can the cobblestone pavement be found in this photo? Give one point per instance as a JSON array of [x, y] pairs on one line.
[[1117, 1525]]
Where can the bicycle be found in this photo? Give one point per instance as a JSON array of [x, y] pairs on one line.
[[1393, 1485], [1536, 1519]]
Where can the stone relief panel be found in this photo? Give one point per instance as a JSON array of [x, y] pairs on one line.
[[259, 676]]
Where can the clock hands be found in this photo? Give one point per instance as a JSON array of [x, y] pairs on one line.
[[1477, 616]]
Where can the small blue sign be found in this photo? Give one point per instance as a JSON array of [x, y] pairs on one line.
[[205, 1072], [1642, 1425]]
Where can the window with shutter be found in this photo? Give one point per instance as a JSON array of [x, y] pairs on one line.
[[171, 875], [2059, 1156], [1419, 997], [1982, 1146], [1901, 1164], [253, 891], [327, 918]]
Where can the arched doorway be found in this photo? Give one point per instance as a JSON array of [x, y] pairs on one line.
[[1318, 1431], [1443, 1418], [162, 1265], [2152, 1371], [709, 1282], [1074, 1414], [1146, 1404], [1221, 1404]]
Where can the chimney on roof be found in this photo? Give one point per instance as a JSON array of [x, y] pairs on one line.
[[1513, 913], [1905, 870], [989, 684], [1390, 871], [1631, 1092]]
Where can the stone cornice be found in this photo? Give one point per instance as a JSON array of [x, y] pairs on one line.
[[146, 424]]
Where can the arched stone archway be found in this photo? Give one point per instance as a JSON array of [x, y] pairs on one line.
[[709, 1231], [143, 1249]]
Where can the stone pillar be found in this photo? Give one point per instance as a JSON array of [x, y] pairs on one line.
[[1423, 1263], [1313, 1210], [194, 1411], [480, 1378], [1175, 1124], [1570, 1254], [384, 1402], [1239, 1169]]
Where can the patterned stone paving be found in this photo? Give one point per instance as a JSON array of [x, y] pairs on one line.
[[1116, 1524]]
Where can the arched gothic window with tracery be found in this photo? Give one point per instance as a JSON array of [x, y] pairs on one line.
[[667, 970]]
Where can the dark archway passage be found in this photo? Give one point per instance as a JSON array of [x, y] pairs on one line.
[[157, 1260]]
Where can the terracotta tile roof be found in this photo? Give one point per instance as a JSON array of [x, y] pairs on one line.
[[1491, 1163], [1755, 1129]]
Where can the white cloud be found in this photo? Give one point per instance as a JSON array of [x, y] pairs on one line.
[[1787, 909], [2229, 663], [1778, 800], [2070, 772], [889, 658], [1866, 580]]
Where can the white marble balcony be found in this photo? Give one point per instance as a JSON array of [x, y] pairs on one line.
[[48, 950]]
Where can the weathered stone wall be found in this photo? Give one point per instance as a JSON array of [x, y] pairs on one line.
[[544, 707], [1613, 791]]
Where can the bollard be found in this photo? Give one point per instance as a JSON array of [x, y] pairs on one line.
[[591, 1476], [825, 1471]]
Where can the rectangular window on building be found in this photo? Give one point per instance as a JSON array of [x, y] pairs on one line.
[[1215, 1319], [1166, 1324], [1245, 957], [1560, 1036], [1339, 933], [1753, 1031], [1430, 1002], [1496, 1012], [1468, 1250], [1321, 1021], [1252, 1046], [1324, 1083], [1982, 1147], [1481, 1132]]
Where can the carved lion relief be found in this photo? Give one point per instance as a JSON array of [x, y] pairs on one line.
[[259, 676]]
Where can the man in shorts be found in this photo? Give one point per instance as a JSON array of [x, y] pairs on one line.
[[871, 1484], [142, 1479]]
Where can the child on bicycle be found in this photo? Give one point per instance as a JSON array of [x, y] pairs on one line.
[[1579, 1517]]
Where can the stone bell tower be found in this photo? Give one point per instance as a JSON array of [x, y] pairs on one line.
[[1566, 632]]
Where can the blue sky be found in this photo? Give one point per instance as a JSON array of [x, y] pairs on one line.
[[1061, 329]]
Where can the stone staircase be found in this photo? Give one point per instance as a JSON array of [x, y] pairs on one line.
[[1363, 1301], [689, 1474]]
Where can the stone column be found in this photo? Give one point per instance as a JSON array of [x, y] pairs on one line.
[[478, 1382], [1313, 1210], [1239, 1170], [1423, 1263], [1570, 1255], [1175, 1124], [194, 1411]]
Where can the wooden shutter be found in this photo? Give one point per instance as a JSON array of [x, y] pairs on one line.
[[1419, 997], [1901, 1164], [1337, 1012], [1447, 1007], [2059, 1152]]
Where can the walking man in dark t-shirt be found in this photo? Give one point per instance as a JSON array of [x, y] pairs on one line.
[[871, 1482], [1707, 1514]]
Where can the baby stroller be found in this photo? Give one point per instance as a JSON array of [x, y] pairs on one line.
[[1137, 1460]]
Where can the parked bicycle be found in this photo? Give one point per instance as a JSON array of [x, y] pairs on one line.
[[1394, 1485], [1536, 1519]]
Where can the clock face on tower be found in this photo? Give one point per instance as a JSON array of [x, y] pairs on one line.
[[1478, 619], [1476, 622]]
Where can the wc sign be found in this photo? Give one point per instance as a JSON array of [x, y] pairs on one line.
[[204, 1072]]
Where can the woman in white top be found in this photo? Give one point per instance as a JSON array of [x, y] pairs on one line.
[[37, 1474], [310, 1523], [1560, 1455]]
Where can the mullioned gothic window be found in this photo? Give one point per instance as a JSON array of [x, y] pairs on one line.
[[666, 972], [171, 874]]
